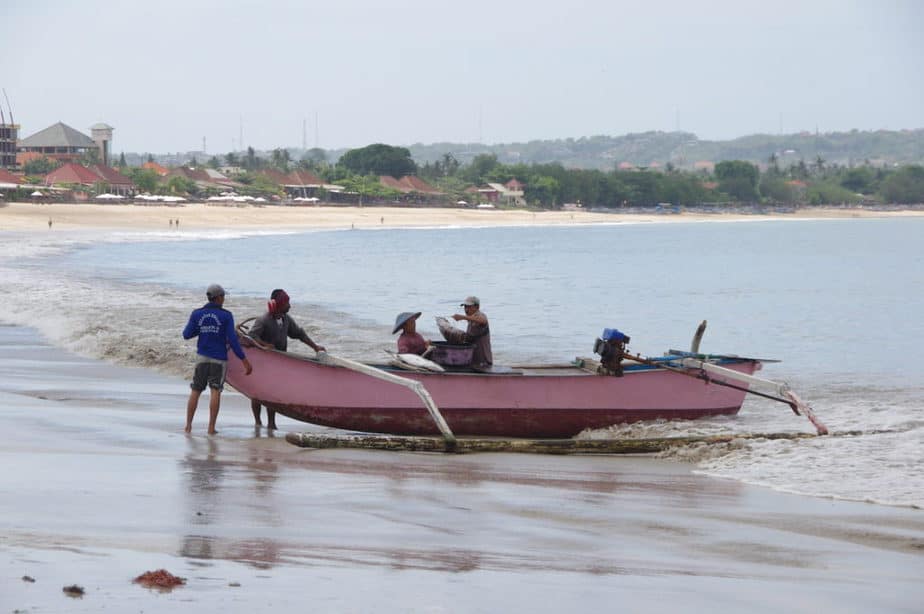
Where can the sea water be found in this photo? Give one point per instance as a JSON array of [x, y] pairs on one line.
[[840, 302]]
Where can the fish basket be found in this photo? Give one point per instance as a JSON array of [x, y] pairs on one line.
[[451, 355]]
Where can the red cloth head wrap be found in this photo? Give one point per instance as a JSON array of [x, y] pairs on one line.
[[279, 303]]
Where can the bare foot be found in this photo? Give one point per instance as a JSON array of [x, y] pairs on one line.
[[188, 429], [272, 426], [213, 432]]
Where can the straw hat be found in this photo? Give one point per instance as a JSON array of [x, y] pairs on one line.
[[402, 319]]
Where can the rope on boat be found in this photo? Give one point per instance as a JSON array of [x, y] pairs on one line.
[[397, 443]]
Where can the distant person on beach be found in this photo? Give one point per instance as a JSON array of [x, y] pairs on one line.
[[478, 332], [177, 223], [171, 222], [410, 341], [49, 222], [214, 327], [273, 330]]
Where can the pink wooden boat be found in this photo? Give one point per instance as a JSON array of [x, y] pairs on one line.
[[534, 402]]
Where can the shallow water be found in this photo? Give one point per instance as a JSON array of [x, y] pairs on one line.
[[835, 299], [101, 485]]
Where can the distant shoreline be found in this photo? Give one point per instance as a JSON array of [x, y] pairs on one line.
[[71, 216]]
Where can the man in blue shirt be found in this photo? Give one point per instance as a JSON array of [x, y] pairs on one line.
[[214, 326]]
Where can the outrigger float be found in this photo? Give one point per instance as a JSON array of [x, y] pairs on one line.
[[547, 402]]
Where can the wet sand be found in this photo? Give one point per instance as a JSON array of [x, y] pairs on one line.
[[100, 485]]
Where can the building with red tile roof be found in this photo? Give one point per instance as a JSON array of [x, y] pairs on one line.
[[408, 184], [204, 177], [193, 174], [503, 193], [157, 168], [277, 177], [390, 182], [419, 185], [71, 173], [304, 178], [117, 182], [8, 177], [24, 157], [305, 183]]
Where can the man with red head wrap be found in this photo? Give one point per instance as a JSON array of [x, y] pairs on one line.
[[272, 330]]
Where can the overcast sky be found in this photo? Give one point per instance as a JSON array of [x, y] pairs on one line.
[[347, 73]]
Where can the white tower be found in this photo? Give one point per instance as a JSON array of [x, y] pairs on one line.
[[102, 135]]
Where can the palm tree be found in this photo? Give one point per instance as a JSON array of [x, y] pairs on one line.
[[819, 165]]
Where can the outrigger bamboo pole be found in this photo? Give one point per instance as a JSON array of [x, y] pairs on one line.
[[699, 369], [782, 389], [414, 385], [529, 446]]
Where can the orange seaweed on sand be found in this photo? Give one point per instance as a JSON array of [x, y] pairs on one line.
[[159, 579]]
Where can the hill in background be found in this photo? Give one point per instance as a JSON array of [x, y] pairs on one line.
[[683, 150]]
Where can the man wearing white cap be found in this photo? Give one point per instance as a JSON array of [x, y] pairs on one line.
[[214, 327], [478, 332]]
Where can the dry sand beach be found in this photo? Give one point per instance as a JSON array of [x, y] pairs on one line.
[[30, 216], [101, 485]]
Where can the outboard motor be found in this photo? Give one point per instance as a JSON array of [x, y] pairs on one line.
[[611, 347]]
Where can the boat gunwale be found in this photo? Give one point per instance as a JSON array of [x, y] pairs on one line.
[[518, 371]]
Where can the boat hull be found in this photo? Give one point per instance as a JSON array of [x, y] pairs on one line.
[[535, 403]]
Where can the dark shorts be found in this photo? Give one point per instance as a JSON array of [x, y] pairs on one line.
[[209, 373]]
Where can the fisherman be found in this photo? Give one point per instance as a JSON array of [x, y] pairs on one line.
[[478, 332], [214, 327], [410, 341], [272, 330]]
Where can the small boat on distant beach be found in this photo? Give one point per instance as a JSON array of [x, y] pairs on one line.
[[537, 401]]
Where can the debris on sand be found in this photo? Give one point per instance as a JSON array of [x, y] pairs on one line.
[[73, 591], [159, 579]]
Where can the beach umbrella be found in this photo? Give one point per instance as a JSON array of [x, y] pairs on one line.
[[259, 199], [36, 193], [312, 199], [106, 196]]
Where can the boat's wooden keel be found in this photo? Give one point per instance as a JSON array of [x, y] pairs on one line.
[[530, 446]]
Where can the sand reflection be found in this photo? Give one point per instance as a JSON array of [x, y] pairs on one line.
[[229, 494]]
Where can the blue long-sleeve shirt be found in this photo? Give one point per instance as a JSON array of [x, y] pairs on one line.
[[215, 328]]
